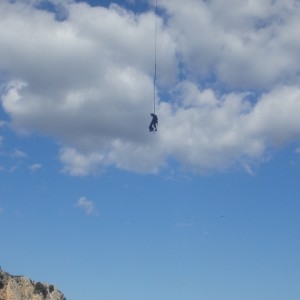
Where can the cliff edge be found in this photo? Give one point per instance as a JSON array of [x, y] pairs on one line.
[[22, 288]]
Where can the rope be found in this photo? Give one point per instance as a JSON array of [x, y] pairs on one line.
[[155, 58]]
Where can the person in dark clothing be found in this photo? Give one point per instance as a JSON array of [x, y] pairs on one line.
[[154, 123]]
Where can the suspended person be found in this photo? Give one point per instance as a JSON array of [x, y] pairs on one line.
[[154, 123]]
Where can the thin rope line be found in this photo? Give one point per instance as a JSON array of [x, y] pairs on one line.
[[155, 58]]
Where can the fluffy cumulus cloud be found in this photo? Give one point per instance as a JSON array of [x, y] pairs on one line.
[[228, 81], [87, 206], [35, 167], [245, 44]]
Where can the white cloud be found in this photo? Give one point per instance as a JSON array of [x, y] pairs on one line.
[[79, 164], [87, 206], [18, 154], [247, 44], [94, 92], [2, 124], [35, 167], [13, 168]]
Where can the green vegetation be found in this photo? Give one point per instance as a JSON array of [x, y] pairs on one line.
[[40, 289], [1, 281]]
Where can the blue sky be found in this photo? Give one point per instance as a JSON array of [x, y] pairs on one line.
[[207, 208]]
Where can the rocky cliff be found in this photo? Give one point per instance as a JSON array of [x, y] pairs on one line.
[[22, 288]]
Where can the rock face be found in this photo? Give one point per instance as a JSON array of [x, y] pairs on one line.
[[22, 288]]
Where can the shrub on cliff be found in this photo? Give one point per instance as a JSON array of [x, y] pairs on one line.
[[40, 289]]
